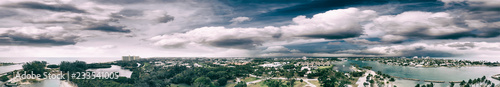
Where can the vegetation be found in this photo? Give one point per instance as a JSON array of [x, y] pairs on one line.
[[98, 65], [77, 66], [37, 67], [4, 78], [6, 64], [99, 83], [429, 62], [241, 84], [202, 82], [275, 83], [53, 66]]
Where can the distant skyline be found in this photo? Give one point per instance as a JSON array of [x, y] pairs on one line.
[[249, 28]]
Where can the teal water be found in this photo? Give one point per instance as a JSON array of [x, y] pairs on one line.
[[438, 74]]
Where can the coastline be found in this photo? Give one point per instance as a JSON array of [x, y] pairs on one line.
[[65, 83]]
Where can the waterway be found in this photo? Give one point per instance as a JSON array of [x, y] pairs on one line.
[[55, 82], [437, 73]]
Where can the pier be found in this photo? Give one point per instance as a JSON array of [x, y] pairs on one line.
[[434, 81]]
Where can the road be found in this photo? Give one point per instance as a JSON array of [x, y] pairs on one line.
[[309, 84], [362, 79]]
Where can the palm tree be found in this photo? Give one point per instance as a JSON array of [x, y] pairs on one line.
[[452, 84], [462, 83]]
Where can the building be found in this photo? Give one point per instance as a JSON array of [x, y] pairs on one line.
[[130, 58]]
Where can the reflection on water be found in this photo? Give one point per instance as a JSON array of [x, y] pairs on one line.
[[114, 68], [439, 74], [44, 83], [57, 60], [4, 69]]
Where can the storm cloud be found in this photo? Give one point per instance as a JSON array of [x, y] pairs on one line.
[[105, 27], [42, 6], [165, 18], [24, 36]]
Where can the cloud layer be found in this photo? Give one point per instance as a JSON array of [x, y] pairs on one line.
[[320, 26], [442, 28]]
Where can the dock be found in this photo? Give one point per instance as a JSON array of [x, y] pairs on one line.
[[434, 81]]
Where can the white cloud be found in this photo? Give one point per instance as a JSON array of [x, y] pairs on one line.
[[453, 48], [333, 24], [323, 25], [416, 25], [239, 20], [276, 49]]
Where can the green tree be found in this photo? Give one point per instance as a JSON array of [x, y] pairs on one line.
[[4, 78], [392, 80], [292, 82], [77, 66], [37, 67], [222, 81], [201, 82], [53, 66], [418, 85], [241, 84], [462, 83], [452, 84], [274, 83]]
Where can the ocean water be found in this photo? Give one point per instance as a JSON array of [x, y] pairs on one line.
[[57, 60]]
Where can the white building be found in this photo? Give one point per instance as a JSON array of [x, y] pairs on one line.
[[130, 58]]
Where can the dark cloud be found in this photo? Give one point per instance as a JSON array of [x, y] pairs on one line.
[[165, 18], [419, 48], [42, 6], [105, 27], [470, 45], [490, 48], [7, 13], [324, 47], [139, 1], [316, 6], [13, 37], [242, 43], [431, 53], [243, 2], [131, 12], [120, 1], [335, 35]]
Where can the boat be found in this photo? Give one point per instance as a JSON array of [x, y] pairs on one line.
[[9, 84], [497, 76]]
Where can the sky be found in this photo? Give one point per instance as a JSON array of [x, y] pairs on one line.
[[249, 28]]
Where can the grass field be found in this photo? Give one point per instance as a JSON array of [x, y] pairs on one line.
[[249, 79], [179, 85], [315, 82], [230, 84], [296, 84], [323, 67]]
